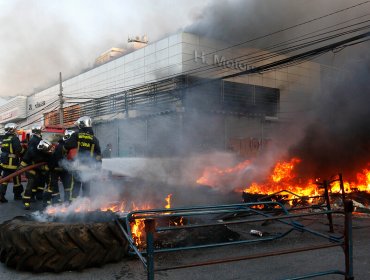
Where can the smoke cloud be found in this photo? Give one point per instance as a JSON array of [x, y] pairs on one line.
[[320, 131], [338, 138], [330, 131]]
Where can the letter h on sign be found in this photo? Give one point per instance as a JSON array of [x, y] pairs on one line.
[[199, 56]]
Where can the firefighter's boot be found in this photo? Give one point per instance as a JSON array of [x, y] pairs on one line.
[[18, 196], [27, 206], [3, 188], [18, 192], [39, 194]]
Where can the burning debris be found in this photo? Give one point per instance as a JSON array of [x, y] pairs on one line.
[[284, 185], [85, 210]]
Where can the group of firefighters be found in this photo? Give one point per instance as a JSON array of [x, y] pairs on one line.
[[75, 147]]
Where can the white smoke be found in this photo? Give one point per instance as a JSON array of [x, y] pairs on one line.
[[84, 168]]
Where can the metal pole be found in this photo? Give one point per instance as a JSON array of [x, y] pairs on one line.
[[342, 189], [225, 133], [126, 105], [61, 121], [118, 144], [146, 138], [348, 244], [327, 198], [149, 231]]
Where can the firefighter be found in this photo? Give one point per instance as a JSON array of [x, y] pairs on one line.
[[42, 153], [57, 170], [88, 153], [38, 188], [11, 150]]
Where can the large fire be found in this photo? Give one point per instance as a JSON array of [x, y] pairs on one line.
[[283, 178]]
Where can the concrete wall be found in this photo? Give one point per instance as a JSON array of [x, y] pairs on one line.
[[183, 134]]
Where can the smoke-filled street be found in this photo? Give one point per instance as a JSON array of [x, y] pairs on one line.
[[216, 139]]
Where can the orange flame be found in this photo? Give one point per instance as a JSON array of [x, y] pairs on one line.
[[362, 183], [137, 229], [283, 177], [119, 207], [138, 226], [284, 170], [212, 175], [168, 200]]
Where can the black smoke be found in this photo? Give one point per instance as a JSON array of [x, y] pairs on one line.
[[235, 21], [338, 138]]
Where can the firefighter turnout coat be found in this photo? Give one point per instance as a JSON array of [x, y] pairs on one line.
[[33, 156], [11, 149], [86, 143], [88, 153]]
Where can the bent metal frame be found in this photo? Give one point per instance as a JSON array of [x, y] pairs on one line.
[[150, 218]]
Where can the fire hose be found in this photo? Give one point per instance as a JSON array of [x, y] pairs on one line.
[[20, 171]]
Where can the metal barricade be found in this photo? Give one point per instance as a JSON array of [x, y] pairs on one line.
[[151, 217]]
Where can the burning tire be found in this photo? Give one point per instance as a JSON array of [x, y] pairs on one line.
[[26, 244]]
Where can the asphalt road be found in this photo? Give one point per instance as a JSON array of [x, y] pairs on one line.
[[277, 267]]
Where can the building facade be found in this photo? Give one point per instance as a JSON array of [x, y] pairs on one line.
[[170, 98]]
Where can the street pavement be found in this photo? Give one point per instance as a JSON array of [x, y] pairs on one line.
[[277, 267]]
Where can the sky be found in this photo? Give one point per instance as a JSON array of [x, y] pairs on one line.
[[40, 38]]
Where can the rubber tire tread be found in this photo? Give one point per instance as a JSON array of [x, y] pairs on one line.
[[48, 246]]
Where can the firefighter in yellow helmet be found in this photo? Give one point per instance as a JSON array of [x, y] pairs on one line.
[[88, 153], [11, 150]]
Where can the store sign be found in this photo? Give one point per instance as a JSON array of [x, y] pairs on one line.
[[220, 61], [36, 105], [9, 115]]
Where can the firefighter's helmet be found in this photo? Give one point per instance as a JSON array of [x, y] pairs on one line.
[[67, 134], [84, 122], [11, 128], [36, 129], [45, 146]]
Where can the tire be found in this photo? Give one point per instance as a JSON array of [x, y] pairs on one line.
[[26, 244]]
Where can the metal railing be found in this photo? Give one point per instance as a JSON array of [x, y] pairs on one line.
[[153, 217]]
